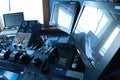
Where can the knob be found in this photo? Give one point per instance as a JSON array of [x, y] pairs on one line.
[[7, 54], [25, 58], [74, 65]]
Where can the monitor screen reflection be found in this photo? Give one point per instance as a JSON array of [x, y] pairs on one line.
[[101, 28]]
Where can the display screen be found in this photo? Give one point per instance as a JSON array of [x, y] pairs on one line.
[[68, 18], [12, 20], [63, 15], [101, 27], [8, 75], [22, 39]]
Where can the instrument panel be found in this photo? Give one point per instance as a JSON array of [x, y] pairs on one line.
[[50, 61]]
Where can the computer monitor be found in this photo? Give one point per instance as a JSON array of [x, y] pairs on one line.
[[13, 20], [64, 14], [100, 23]]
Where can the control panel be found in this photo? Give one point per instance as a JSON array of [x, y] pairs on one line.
[[47, 58]]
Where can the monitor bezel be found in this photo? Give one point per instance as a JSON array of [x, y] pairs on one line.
[[53, 13], [21, 14]]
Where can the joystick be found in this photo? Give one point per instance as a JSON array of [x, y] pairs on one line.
[[37, 62], [7, 54], [42, 63], [25, 58]]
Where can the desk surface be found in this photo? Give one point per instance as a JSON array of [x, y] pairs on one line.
[[6, 32]]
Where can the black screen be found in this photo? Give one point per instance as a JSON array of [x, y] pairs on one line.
[[12, 20]]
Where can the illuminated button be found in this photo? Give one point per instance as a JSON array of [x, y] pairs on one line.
[[74, 65]]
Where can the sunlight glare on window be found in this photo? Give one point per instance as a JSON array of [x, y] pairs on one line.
[[4, 7], [64, 18], [89, 19], [109, 41], [102, 23], [33, 9]]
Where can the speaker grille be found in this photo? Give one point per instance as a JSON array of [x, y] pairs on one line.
[[24, 24], [27, 26], [32, 23]]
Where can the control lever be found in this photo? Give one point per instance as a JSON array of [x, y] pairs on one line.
[[42, 63], [7, 54], [37, 62], [52, 54], [25, 58]]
